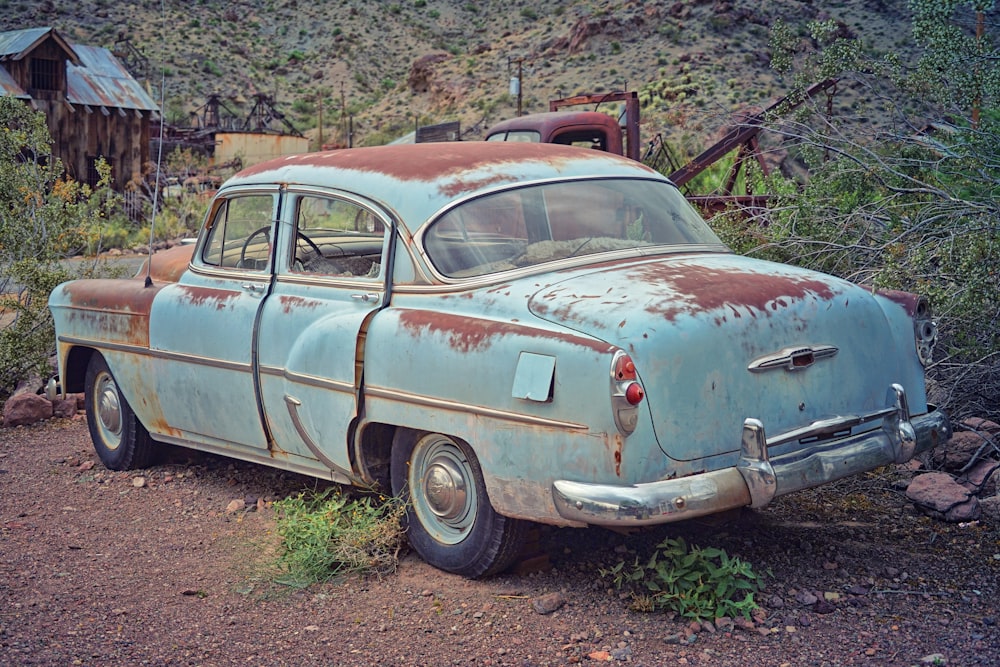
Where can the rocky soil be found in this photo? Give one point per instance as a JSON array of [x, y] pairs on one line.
[[151, 568]]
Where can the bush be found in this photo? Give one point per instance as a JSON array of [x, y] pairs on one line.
[[44, 218], [327, 534]]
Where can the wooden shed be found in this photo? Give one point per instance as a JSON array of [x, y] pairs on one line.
[[93, 105]]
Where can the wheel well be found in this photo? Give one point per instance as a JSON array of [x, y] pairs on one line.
[[373, 453], [76, 369]]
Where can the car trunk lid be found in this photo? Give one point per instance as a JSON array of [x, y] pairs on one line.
[[719, 338]]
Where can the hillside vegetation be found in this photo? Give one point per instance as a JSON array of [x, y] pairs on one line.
[[392, 65]]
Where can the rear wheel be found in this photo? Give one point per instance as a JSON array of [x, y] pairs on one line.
[[121, 441], [450, 521]]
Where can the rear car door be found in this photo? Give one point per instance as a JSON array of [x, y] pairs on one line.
[[331, 277]]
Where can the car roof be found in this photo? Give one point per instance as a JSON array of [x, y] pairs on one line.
[[417, 180]]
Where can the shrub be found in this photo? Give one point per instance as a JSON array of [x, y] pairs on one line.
[[327, 534], [44, 218]]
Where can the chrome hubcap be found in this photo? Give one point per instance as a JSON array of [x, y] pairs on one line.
[[109, 410], [443, 490]]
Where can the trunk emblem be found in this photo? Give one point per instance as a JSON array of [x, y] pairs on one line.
[[792, 358]]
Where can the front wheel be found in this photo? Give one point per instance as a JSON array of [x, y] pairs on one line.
[[450, 521], [121, 441]]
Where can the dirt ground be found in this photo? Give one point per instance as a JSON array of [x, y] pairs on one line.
[[148, 568]]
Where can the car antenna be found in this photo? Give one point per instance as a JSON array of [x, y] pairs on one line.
[[159, 161]]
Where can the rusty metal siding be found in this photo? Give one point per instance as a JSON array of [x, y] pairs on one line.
[[255, 147]]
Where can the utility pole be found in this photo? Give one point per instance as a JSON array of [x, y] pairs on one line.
[[515, 82], [320, 113]]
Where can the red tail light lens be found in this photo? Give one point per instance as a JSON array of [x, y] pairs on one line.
[[625, 369], [634, 393]]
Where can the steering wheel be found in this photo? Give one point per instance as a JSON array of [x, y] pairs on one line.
[[266, 232], [309, 242]]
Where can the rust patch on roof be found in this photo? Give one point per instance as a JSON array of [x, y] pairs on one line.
[[444, 161], [467, 334], [696, 289]]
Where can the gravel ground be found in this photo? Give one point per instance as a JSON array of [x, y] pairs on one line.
[[149, 568]]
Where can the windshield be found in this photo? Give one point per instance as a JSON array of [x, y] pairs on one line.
[[542, 223]]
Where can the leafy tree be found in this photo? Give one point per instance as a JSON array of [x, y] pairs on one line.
[[903, 184], [44, 218]]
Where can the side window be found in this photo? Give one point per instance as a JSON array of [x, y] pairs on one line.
[[336, 237], [240, 236]]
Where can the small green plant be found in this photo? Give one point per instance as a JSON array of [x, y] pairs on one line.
[[327, 534], [696, 583]]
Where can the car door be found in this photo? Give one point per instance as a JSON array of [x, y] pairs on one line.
[[202, 329], [331, 277]]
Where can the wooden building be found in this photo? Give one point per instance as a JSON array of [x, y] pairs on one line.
[[93, 105]]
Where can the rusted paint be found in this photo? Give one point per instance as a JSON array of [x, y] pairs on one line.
[[695, 289], [290, 303], [446, 162], [207, 297], [118, 309], [167, 266], [909, 302], [467, 334]]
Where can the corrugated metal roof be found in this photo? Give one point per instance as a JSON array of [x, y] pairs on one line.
[[102, 81], [16, 42], [97, 79], [9, 87]]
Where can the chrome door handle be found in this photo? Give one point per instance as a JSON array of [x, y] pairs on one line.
[[370, 296], [253, 287]]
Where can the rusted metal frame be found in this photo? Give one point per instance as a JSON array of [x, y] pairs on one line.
[[443, 404], [740, 135]]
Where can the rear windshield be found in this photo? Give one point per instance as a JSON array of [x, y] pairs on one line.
[[551, 221]]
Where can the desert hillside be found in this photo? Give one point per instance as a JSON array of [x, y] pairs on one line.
[[392, 65]]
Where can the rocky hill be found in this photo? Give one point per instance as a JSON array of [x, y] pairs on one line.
[[392, 65]]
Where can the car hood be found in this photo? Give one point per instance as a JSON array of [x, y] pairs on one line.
[[695, 325]]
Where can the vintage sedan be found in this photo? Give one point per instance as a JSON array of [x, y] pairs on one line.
[[500, 333]]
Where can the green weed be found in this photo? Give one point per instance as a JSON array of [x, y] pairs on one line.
[[327, 534], [696, 583]]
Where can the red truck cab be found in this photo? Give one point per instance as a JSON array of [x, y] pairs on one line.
[[588, 129]]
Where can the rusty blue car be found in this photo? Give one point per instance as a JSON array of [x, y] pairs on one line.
[[500, 334]]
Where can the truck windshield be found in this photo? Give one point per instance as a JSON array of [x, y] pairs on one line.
[[546, 222]]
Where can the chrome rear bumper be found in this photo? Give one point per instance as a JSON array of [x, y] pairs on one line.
[[758, 478]]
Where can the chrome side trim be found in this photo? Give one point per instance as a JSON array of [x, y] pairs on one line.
[[427, 402], [308, 380], [293, 410], [158, 354]]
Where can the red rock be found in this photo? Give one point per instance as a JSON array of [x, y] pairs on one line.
[[24, 409]]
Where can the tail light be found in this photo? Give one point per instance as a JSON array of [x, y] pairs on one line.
[[626, 392]]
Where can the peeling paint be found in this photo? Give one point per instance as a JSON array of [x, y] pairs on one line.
[[203, 297], [467, 334]]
